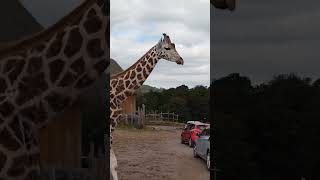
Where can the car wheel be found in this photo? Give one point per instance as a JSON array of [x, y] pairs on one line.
[[195, 155], [190, 143], [208, 160]]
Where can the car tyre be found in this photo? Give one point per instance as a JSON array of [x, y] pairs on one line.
[[208, 160], [191, 143], [195, 155]]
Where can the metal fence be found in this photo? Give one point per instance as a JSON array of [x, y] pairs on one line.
[[162, 117]]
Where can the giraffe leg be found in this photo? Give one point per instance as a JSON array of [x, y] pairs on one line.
[[113, 166], [33, 156], [114, 116], [31, 140], [23, 166]]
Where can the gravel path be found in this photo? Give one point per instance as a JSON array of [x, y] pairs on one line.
[[156, 154]]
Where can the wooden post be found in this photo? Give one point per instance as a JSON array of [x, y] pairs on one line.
[[143, 111], [100, 166], [91, 155], [52, 174]]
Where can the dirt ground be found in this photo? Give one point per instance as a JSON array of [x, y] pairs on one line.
[[156, 154]]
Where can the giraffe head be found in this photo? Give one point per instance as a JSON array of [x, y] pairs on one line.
[[167, 50]]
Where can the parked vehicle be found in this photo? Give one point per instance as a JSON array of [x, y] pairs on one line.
[[202, 146], [189, 133]]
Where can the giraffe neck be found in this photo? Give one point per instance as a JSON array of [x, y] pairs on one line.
[[49, 75], [127, 82], [41, 76]]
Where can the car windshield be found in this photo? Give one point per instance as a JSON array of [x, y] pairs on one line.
[[201, 127]]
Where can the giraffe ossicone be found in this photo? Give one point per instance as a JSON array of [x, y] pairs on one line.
[[127, 82]]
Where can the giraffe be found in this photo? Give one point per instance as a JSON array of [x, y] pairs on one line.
[[41, 76], [127, 82]]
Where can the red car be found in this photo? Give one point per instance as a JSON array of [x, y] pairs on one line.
[[189, 134]]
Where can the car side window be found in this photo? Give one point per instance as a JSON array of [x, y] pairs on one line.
[[206, 132]]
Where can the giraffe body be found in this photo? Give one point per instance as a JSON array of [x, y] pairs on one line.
[[41, 76], [127, 82]]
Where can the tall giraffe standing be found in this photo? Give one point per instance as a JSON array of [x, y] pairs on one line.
[[127, 82], [41, 76]]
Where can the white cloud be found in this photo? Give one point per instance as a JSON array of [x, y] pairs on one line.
[[137, 25]]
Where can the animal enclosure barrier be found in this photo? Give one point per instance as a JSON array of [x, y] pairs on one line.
[[137, 119], [162, 117]]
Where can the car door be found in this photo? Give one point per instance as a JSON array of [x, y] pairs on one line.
[[204, 138], [199, 143], [185, 132], [188, 131]]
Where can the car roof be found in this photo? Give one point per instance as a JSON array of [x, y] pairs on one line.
[[197, 123]]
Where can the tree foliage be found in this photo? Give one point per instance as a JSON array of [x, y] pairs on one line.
[[268, 131], [188, 103]]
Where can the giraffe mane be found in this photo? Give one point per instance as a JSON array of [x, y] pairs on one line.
[[131, 67], [34, 39]]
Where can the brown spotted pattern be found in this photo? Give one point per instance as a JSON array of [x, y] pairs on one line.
[[125, 84], [74, 43], [42, 79]]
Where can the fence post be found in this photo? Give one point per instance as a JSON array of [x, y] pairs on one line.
[[144, 113], [91, 156], [143, 109], [52, 174]]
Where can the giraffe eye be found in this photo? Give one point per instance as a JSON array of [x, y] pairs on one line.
[[167, 48]]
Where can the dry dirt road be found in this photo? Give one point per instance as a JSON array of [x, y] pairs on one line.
[[156, 154]]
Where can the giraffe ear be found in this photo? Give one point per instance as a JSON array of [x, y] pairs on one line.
[[159, 44]]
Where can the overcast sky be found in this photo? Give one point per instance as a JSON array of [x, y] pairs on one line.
[[137, 25], [265, 38]]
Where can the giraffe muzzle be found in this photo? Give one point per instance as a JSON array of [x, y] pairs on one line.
[[180, 61]]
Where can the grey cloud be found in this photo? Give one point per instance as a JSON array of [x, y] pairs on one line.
[[188, 26]]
